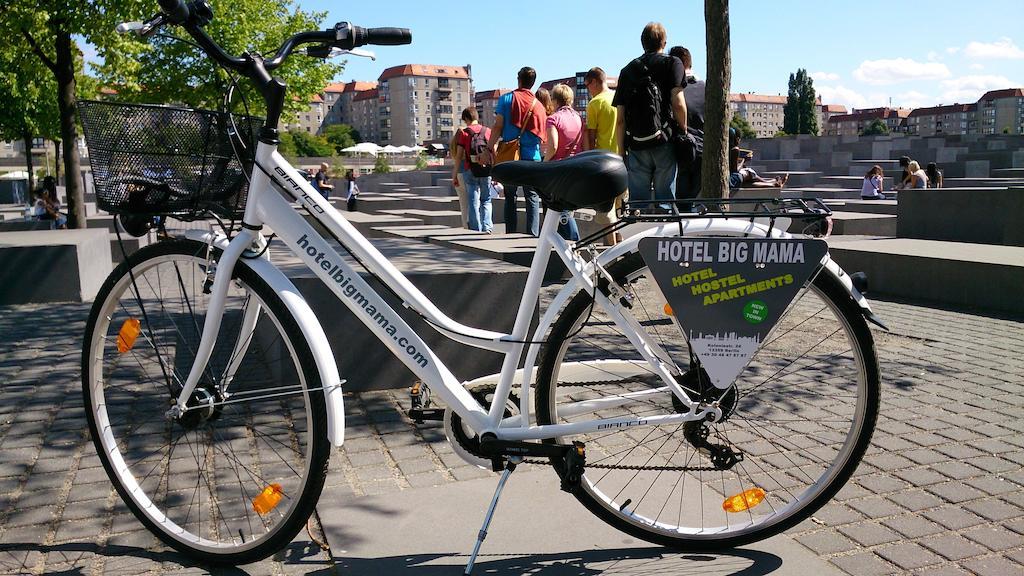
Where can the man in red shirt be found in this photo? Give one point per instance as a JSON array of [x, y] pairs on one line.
[[471, 160]]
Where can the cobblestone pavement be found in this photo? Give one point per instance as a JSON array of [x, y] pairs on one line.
[[941, 491]]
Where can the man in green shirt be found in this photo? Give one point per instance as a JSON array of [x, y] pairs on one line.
[[601, 135]]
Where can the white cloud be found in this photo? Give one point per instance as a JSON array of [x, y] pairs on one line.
[[1004, 48], [912, 99], [894, 71], [952, 50], [933, 55], [824, 76], [842, 95], [967, 89], [976, 66]]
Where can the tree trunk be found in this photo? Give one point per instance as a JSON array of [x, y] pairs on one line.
[[715, 165], [56, 160], [27, 137], [66, 103]]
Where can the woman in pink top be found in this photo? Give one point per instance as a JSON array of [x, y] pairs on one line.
[[565, 139]]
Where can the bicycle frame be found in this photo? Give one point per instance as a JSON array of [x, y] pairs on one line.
[[275, 184]]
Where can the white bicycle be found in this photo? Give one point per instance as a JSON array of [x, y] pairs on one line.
[[214, 398]]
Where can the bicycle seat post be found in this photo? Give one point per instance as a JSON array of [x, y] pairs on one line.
[[510, 467]]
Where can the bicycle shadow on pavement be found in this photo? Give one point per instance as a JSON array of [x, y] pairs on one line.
[[74, 558], [621, 561]]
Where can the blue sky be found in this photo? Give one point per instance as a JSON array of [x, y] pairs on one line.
[[861, 53]]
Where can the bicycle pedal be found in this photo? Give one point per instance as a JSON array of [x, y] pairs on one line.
[[574, 462], [421, 415]]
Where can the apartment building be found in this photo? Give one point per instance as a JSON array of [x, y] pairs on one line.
[[766, 114], [422, 102], [1001, 111], [486, 101], [953, 119], [828, 111], [338, 101], [310, 119], [363, 113], [854, 123]]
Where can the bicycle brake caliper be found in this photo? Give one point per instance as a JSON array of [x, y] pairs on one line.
[[615, 291]]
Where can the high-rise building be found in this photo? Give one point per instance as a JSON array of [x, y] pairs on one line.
[[420, 103], [486, 102], [338, 100], [1001, 111], [310, 119], [364, 112], [766, 113]]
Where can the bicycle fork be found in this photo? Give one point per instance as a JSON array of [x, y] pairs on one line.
[[214, 315]]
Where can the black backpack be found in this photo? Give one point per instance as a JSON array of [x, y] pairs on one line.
[[647, 122], [477, 145]]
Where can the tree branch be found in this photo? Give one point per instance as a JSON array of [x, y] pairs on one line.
[[39, 51]]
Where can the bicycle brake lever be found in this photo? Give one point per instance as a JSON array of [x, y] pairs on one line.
[[354, 52], [127, 27], [142, 29]]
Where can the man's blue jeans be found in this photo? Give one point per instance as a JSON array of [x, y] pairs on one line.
[[652, 169], [532, 211], [478, 192]]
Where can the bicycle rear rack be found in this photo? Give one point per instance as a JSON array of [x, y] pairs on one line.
[[813, 212]]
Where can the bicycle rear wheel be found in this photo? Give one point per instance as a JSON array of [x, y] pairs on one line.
[[234, 480], [801, 415]]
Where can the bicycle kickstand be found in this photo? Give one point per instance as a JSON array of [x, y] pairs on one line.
[[510, 467]]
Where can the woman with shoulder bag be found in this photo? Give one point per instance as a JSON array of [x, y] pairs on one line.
[[565, 134]]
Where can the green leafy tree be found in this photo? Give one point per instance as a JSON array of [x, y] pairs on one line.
[[421, 162], [780, 134], [743, 127], [30, 108], [168, 71], [341, 136], [48, 29], [303, 144], [799, 113], [381, 165], [715, 163], [875, 128]]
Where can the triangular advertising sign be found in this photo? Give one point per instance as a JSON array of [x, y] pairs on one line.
[[728, 293]]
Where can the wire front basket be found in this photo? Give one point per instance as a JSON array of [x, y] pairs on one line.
[[159, 160]]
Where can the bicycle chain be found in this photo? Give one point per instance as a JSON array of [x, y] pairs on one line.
[[632, 467]]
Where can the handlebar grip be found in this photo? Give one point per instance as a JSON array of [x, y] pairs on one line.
[[383, 36], [176, 10]]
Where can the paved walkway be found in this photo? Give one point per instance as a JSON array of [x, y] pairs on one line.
[[940, 492]]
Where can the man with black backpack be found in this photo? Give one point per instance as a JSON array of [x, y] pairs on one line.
[[651, 109], [471, 159]]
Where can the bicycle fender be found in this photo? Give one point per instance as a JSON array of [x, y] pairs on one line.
[[311, 329]]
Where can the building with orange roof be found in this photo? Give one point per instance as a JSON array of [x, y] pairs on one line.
[[486, 101], [1001, 111], [338, 98], [854, 123], [420, 103], [765, 113]]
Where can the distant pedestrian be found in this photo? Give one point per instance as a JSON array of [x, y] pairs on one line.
[[873, 182], [601, 136], [459, 185], [469, 155], [323, 180], [918, 179], [650, 106], [934, 175], [565, 138], [519, 117], [351, 190]]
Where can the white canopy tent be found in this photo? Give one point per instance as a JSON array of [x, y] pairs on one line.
[[389, 149], [363, 148]]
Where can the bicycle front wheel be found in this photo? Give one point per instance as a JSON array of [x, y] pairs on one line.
[[798, 419], [234, 479]]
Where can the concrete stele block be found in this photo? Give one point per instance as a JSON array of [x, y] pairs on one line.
[[976, 169], [53, 265]]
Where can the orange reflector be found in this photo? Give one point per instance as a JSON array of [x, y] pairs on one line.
[[127, 335], [743, 501], [267, 500], [668, 310]]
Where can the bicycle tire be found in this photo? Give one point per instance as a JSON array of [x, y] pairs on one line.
[[238, 440], [626, 509]]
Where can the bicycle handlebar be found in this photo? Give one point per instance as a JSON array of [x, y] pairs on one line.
[[177, 11]]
